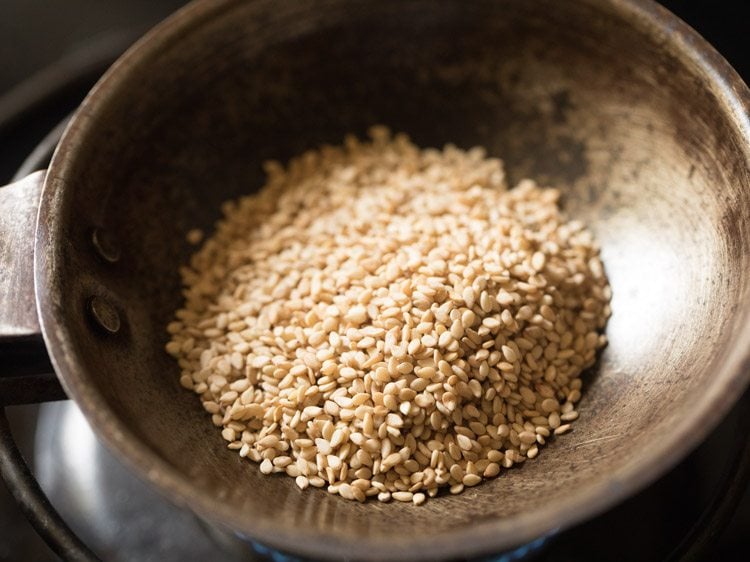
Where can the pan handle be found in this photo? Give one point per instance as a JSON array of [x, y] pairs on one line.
[[26, 375]]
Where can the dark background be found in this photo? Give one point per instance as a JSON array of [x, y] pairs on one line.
[[37, 33], [33, 33]]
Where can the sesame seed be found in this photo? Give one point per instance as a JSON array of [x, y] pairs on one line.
[[527, 437], [492, 470], [402, 496], [550, 405], [471, 479], [569, 416], [538, 260], [463, 442], [383, 321], [562, 429]]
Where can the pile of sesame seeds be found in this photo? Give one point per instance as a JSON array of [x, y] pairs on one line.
[[383, 320]]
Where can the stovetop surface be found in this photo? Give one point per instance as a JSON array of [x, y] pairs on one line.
[[92, 489]]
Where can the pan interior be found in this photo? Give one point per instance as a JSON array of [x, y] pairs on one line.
[[568, 93]]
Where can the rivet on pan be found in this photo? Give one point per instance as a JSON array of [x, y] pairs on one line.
[[104, 314], [104, 245]]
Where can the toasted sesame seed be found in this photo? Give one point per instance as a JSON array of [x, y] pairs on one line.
[[550, 405], [527, 437], [471, 479], [402, 496], [494, 456], [562, 429], [194, 236], [385, 321], [463, 442], [538, 260], [492, 470], [569, 416], [509, 354], [457, 488]]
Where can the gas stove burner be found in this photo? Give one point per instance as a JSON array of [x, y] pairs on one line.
[[116, 514]]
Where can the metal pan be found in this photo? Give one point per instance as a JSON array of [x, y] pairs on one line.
[[642, 124]]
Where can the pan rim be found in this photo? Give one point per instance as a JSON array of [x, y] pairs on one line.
[[481, 537]]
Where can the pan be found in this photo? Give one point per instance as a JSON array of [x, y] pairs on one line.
[[640, 123]]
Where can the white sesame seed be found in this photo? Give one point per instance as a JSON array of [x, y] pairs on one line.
[[471, 479], [538, 260], [562, 429], [384, 496], [385, 321], [402, 496]]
